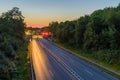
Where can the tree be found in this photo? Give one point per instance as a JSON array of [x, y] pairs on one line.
[[11, 38], [11, 31], [90, 39], [80, 29], [98, 32], [53, 28]]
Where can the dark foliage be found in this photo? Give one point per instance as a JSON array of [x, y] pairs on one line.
[[98, 32], [11, 38]]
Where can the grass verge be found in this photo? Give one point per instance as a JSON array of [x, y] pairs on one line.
[[113, 67], [22, 64]]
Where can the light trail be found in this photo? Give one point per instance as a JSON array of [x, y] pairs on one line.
[[39, 63]]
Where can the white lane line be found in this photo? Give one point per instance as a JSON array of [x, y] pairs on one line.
[[65, 65], [88, 72], [51, 73]]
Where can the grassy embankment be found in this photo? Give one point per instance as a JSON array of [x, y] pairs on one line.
[[90, 57], [22, 63]]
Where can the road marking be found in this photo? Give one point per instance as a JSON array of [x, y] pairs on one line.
[[51, 73], [65, 65], [88, 72]]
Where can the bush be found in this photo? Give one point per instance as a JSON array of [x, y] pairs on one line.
[[109, 56]]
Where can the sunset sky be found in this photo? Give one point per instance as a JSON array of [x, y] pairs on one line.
[[39, 13]]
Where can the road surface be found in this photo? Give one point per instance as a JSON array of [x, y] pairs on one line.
[[52, 63]]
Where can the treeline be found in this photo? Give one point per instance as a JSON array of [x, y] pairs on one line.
[[98, 34], [11, 38]]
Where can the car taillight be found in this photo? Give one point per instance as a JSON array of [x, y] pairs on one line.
[[45, 33]]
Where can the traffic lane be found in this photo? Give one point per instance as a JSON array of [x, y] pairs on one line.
[[57, 70], [68, 74], [82, 73], [39, 63], [88, 71], [84, 70], [46, 67], [92, 69]]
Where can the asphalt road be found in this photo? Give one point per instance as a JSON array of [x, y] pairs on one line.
[[52, 63]]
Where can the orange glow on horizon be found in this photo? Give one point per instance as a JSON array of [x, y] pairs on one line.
[[42, 22], [36, 23]]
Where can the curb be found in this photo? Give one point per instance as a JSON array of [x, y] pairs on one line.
[[32, 73]]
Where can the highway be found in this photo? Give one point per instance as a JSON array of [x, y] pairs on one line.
[[53, 63]]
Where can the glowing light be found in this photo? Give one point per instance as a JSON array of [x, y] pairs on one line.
[[40, 63], [45, 33], [37, 36]]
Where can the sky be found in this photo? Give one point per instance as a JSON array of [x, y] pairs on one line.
[[39, 13]]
